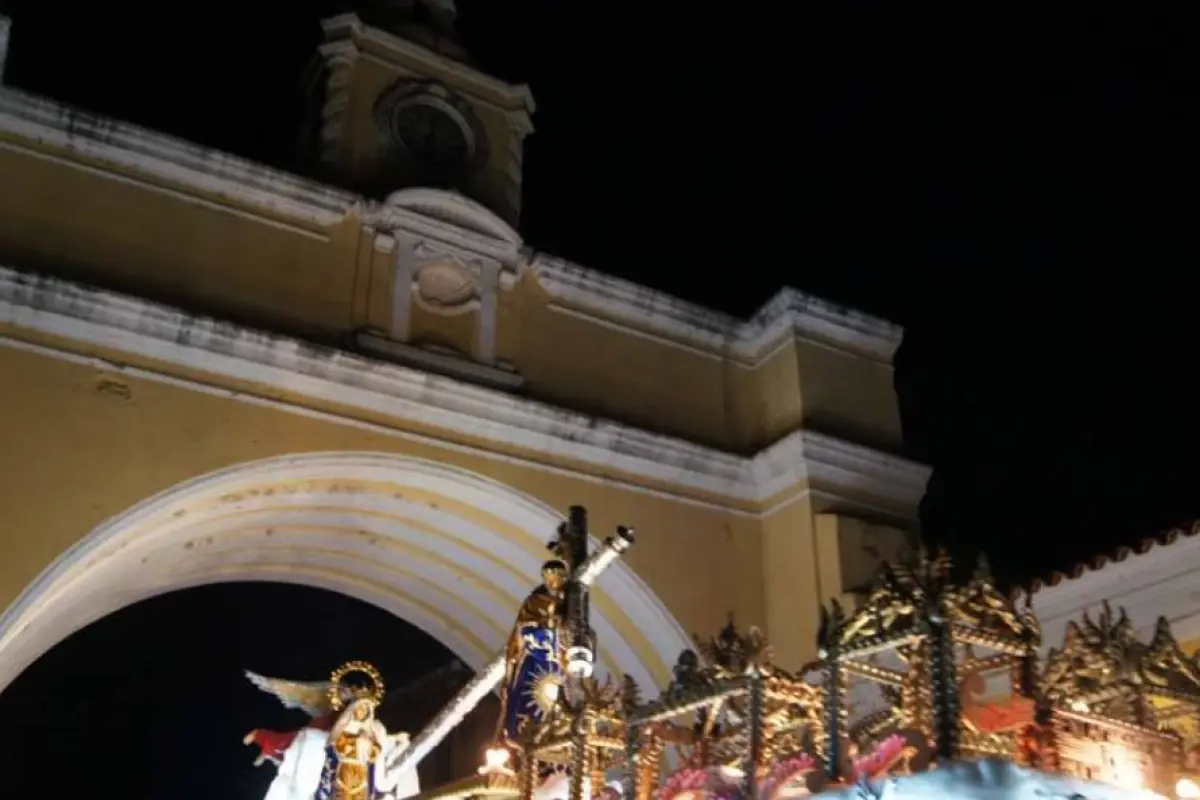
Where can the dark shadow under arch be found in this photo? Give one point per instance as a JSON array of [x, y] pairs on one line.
[[150, 702]]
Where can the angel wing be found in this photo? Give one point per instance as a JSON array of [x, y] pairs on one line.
[[312, 698]]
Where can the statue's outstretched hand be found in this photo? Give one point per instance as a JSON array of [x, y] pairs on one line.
[[252, 738]]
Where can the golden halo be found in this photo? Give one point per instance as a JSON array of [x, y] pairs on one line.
[[373, 692]]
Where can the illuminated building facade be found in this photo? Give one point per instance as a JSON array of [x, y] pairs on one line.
[[368, 382]]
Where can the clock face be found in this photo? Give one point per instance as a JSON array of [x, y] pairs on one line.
[[432, 135]]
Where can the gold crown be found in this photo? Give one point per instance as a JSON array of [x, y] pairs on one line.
[[340, 694]]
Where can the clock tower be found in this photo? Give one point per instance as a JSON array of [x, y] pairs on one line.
[[394, 103]]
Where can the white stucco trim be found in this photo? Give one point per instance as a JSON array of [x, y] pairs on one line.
[[100, 142], [348, 28], [120, 146], [788, 313], [382, 528], [123, 324]]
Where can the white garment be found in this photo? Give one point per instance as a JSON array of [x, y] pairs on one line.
[[300, 771], [402, 786], [558, 787]]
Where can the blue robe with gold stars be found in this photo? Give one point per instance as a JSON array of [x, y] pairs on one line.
[[535, 672]]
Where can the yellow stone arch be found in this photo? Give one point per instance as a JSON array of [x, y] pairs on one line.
[[448, 550]]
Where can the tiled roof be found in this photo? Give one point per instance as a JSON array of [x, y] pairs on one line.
[[1099, 562]]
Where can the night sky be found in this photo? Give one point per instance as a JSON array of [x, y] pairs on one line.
[[1014, 188]]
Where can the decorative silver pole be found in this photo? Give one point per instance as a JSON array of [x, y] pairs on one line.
[[490, 676]]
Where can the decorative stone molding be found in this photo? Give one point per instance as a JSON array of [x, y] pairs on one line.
[[406, 93], [462, 227], [128, 148], [446, 288], [579, 444], [403, 269], [789, 313], [460, 93], [344, 521], [456, 222], [519, 127], [340, 59], [450, 246], [443, 280], [829, 463], [489, 306], [381, 44], [450, 219], [501, 376]]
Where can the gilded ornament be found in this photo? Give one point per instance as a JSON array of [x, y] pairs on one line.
[[342, 694]]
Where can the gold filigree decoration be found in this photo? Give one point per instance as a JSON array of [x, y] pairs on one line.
[[1104, 669], [732, 652], [342, 694], [903, 596], [705, 713]]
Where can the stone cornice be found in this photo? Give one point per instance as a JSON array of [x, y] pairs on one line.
[[826, 462], [451, 219], [32, 121], [506, 423], [789, 313], [349, 28], [124, 147]]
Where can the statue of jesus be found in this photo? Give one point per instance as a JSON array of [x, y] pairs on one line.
[[533, 678]]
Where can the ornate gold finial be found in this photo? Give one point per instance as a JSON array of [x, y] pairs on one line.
[[340, 693], [631, 693], [735, 652]]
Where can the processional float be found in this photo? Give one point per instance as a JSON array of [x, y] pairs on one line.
[[572, 536], [929, 687]]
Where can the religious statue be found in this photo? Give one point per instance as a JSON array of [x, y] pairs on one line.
[[355, 744], [338, 755], [533, 677]]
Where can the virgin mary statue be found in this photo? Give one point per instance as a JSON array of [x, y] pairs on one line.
[[340, 754], [352, 769]]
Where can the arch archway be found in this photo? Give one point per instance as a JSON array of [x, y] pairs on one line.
[[450, 551]]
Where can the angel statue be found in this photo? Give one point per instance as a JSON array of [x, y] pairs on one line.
[[336, 756], [533, 675]]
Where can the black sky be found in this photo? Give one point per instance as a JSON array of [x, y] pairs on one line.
[[1017, 188]]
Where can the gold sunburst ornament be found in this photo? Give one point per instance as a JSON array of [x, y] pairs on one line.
[[547, 688], [340, 692]]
